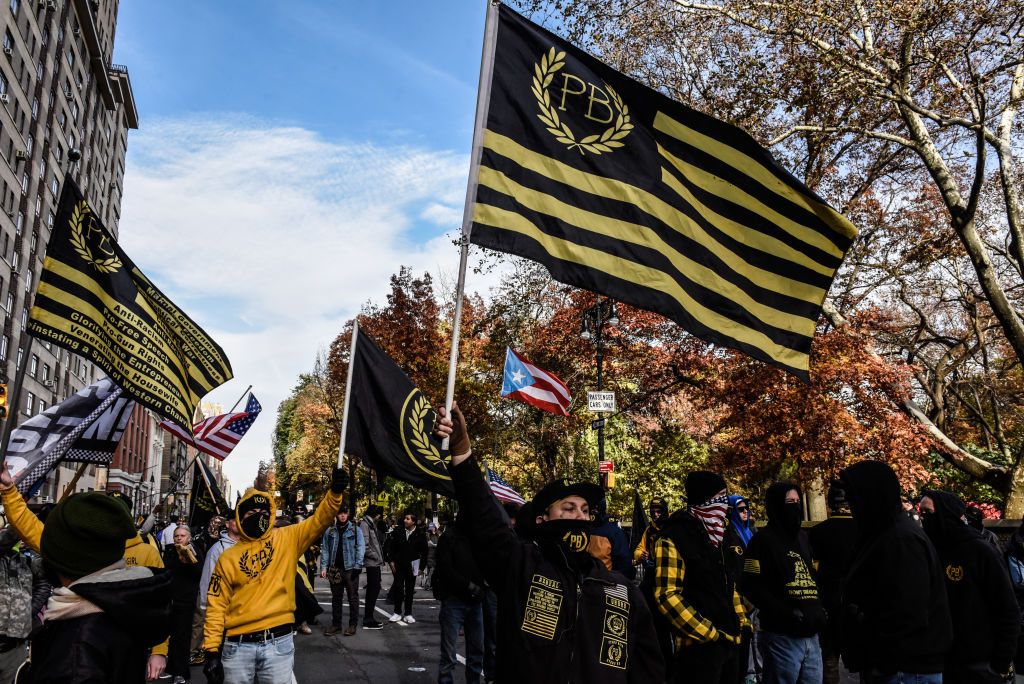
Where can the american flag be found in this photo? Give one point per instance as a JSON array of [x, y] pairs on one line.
[[712, 516], [218, 435], [503, 490], [534, 386]]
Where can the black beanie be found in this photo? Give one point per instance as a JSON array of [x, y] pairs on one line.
[[85, 533], [123, 498], [701, 485]]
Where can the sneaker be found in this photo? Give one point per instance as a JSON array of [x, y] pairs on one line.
[[408, 619], [332, 630], [180, 680], [395, 617], [350, 630], [304, 629], [372, 624]]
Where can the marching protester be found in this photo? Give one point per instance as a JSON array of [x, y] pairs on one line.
[[459, 585], [373, 561], [895, 616], [740, 530], [185, 565], [777, 579], [976, 520], [210, 534], [694, 589], [229, 536], [427, 576], [341, 561], [615, 547], [406, 552], [832, 543], [643, 557], [167, 534], [251, 600], [23, 593], [562, 617], [986, 620], [104, 618]]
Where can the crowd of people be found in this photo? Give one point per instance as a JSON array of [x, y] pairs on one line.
[[888, 589]]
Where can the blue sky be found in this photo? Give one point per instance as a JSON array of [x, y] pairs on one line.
[[290, 157]]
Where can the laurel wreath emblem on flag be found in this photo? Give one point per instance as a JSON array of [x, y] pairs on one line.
[[79, 216], [543, 74], [416, 424]]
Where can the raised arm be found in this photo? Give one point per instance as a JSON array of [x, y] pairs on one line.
[[306, 532]]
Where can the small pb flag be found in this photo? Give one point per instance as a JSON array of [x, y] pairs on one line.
[[95, 302], [390, 421], [620, 190]]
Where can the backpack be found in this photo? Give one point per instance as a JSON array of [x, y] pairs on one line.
[[1016, 567]]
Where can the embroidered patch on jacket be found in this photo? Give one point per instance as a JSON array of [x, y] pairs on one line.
[[955, 573], [617, 597], [613, 653], [752, 565], [542, 608]]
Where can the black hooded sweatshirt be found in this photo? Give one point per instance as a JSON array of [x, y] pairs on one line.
[[777, 570], [895, 612], [986, 620], [112, 646]]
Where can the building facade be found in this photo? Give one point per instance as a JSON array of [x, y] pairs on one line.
[[64, 109]]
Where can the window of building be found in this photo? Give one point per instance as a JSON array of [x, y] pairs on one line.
[[10, 302], [46, 372], [24, 182], [42, 405], [15, 261], [8, 41], [35, 108], [14, 6], [19, 223], [3, 84], [21, 355], [24, 317], [5, 344], [71, 57], [71, 140], [62, 120], [29, 143], [46, 36], [28, 281], [39, 202], [59, 152], [50, 218], [30, 403], [33, 366], [42, 168], [74, 111], [39, 69], [54, 186]]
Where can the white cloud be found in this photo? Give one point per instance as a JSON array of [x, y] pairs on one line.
[[272, 237]]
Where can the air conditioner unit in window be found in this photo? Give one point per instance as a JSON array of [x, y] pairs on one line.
[[76, 31], [5, 98], [49, 384], [8, 51], [21, 155]]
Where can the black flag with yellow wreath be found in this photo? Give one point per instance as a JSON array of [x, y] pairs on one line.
[[390, 422], [93, 301], [620, 190]]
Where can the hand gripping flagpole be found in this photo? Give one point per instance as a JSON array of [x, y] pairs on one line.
[[348, 392], [483, 100]]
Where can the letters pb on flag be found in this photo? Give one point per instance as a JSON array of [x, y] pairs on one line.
[[390, 421], [534, 386], [618, 189], [93, 301]]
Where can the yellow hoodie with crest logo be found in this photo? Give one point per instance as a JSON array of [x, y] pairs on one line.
[[252, 587]]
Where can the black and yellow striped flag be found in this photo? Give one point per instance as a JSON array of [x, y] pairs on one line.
[[618, 189], [93, 301]]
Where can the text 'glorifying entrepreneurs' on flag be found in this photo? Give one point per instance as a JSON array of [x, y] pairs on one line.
[[618, 189], [95, 302]]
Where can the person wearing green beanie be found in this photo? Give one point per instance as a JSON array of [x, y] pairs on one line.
[[103, 617]]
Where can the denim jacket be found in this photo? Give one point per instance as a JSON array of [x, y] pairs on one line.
[[353, 547]]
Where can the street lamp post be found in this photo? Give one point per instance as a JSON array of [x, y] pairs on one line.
[[594, 320]]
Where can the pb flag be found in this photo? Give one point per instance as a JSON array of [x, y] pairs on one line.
[[207, 500], [85, 428], [390, 422], [618, 189], [95, 302]]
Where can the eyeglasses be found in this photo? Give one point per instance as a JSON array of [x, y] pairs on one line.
[[741, 509]]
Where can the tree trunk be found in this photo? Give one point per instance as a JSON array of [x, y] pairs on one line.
[[1015, 497]]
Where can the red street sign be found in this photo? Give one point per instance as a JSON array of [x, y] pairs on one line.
[[605, 467]]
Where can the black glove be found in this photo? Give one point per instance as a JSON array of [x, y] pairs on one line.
[[339, 480], [476, 592], [213, 669]]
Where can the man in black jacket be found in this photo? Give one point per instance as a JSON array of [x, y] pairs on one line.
[[694, 589], [777, 579], [562, 617], [406, 545], [981, 601], [832, 543], [459, 584], [896, 622]]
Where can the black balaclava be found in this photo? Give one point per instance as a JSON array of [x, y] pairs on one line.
[[873, 491], [946, 526], [785, 517], [256, 525]]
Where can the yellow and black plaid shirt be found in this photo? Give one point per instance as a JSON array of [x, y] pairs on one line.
[[686, 622]]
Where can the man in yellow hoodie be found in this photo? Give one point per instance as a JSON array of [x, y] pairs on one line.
[[250, 610]]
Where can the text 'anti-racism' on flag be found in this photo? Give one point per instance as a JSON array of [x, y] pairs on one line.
[[618, 189], [95, 302]]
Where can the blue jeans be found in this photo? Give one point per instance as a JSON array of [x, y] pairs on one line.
[[791, 660], [261, 662], [469, 615], [902, 678]]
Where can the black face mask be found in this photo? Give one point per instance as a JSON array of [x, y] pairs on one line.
[[792, 516], [256, 525], [572, 535], [932, 526]]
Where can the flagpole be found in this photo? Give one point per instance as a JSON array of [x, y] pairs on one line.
[[240, 399], [69, 489], [483, 99], [15, 397], [348, 392]]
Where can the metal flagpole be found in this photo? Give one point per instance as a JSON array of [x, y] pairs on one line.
[[348, 392], [483, 100], [15, 397]]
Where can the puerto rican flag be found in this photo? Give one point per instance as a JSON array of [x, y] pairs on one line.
[[534, 386]]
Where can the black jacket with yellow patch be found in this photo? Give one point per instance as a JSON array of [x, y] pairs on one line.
[[555, 623], [252, 587]]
